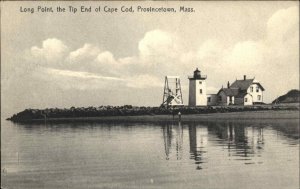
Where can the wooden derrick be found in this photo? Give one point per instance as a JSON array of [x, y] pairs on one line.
[[172, 92]]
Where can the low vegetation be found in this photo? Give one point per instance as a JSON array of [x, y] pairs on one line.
[[128, 110]]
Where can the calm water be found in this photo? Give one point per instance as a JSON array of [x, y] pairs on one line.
[[227, 154]]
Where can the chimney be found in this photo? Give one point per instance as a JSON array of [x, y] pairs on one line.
[[228, 85], [244, 77]]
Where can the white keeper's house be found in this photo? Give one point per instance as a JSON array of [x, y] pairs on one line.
[[240, 92]]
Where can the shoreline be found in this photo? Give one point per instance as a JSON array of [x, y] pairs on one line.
[[129, 112], [230, 116]]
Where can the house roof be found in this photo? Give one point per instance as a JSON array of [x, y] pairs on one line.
[[259, 85], [245, 84], [230, 91], [234, 92], [242, 84]]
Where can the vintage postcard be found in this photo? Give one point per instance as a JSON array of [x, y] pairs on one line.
[[150, 94]]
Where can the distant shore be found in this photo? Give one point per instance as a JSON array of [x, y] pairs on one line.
[[236, 116]]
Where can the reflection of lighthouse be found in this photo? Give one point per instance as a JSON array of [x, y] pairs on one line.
[[196, 152]]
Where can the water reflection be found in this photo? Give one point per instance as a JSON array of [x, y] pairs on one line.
[[260, 142], [242, 141], [167, 134], [168, 138], [197, 141], [151, 155], [179, 141], [197, 148]]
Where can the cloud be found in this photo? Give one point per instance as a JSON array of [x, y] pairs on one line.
[[161, 53], [157, 49], [246, 54], [78, 80], [144, 81], [283, 34], [81, 75], [158, 45], [67, 79], [90, 58], [283, 24], [52, 50], [87, 52], [275, 56], [106, 57]]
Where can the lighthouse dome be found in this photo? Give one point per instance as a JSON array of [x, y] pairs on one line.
[[197, 73]]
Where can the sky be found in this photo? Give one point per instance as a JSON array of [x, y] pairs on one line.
[[62, 60]]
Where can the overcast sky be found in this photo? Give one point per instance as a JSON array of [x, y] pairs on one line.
[[93, 59]]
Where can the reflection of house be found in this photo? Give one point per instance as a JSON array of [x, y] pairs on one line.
[[233, 136], [241, 92]]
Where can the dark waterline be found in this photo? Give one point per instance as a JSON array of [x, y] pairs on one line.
[[215, 154]]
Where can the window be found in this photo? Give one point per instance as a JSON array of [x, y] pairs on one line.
[[230, 99], [200, 82], [200, 91], [246, 99], [257, 89], [220, 98], [208, 99], [258, 97], [251, 89]]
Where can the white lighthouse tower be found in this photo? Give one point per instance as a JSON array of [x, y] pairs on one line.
[[197, 89]]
